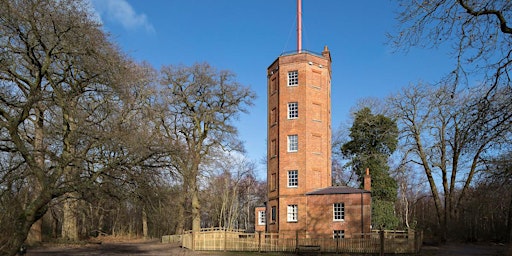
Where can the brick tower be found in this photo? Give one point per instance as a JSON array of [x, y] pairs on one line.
[[299, 136], [301, 198]]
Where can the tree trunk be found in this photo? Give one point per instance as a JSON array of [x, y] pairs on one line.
[[196, 207], [70, 220], [180, 222], [100, 224], [27, 218], [510, 223], [70, 209], [35, 234], [19, 237], [144, 223], [440, 210]]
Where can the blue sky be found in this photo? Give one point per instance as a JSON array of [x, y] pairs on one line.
[[247, 36]]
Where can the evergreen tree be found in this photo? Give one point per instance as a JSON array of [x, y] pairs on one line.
[[373, 139]]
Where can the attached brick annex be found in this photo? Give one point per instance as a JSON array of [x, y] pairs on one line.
[[300, 192]]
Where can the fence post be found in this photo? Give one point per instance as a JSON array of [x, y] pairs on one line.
[[259, 241], [415, 242], [296, 240], [225, 238], [193, 241], [418, 240], [381, 235], [337, 244]]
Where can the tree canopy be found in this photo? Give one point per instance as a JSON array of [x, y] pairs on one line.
[[373, 138]]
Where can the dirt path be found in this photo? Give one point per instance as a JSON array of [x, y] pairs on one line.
[[115, 248]]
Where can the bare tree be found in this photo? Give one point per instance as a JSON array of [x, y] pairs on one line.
[[227, 189], [63, 89], [479, 33], [199, 105], [231, 193], [498, 176], [411, 188], [450, 136]]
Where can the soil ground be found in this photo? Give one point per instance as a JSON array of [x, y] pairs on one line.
[[459, 249], [154, 247], [136, 247]]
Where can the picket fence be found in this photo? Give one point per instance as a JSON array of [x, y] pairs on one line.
[[219, 239]]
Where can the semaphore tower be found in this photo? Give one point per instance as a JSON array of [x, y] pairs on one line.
[[299, 133], [301, 198]]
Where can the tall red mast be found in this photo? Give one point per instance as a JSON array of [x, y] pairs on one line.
[[299, 26]]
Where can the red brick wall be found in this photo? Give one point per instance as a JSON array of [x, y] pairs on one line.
[[291, 226], [313, 127], [320, 214], [272, 225], [313, 160]]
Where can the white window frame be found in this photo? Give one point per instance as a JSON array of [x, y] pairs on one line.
[[293, 78], [262, 218], [338, 234], [293, 110], [293, 178], [292, 213], [273, 213], [338, 211], [293, 143]]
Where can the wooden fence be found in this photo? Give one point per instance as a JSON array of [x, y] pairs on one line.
[[408, 242], [172, 239]]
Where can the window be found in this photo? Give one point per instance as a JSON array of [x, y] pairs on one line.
[[293, 110], [293, 178], [293, 143], [273, 216], [261, 218], [336, 234], [292, 213], [293, 78], [339, 211]]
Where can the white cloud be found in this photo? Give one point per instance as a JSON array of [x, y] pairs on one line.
[[123, 13]]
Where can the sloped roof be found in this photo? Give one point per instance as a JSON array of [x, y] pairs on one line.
[[337, 190]]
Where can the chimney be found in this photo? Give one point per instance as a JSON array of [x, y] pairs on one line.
[[367, 182], [326, 53]]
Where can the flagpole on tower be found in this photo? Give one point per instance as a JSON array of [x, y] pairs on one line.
[[299, 26]]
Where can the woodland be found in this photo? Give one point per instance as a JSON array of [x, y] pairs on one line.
[[93, 143]]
